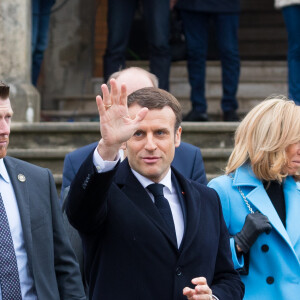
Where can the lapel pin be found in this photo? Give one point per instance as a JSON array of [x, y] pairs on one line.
[[21, 178], [183, 193]]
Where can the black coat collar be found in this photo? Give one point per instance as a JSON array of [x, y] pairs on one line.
[[129, 184]]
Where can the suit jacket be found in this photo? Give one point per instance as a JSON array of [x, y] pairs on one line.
[[274, 257], [188, 160], [129, 254], [51, 260]]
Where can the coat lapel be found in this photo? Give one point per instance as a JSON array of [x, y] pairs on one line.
[[193, 210], [132, 187], [292, 202], [22, 197], [258, 198]]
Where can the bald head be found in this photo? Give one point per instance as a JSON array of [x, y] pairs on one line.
[[135, 78]]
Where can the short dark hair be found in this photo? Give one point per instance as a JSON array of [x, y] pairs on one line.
[[155, 98], [4, 90]]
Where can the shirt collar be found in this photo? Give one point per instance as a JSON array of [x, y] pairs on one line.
[[3, 171], [166, 181]]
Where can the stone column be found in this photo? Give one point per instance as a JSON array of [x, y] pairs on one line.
[[15, 58]]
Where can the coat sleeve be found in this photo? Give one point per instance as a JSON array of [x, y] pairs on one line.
[[68, 175], [226, 283], [199, 174], [218, 185], [66, 267], [86, 205], [189, 162]]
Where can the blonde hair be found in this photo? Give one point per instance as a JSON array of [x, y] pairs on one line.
[[263, 136]]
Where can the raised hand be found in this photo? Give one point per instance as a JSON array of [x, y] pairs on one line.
[[116, 126]]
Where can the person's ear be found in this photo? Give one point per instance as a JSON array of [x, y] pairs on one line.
[[123, 146], [178, 136]]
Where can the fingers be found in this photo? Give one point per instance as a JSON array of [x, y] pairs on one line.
[[106, 95], [199, 280], [201, 291], [188, 292], [114, 96], [123, 96], [114, 92], [193, 295], [269, 228], [141, 115], [100, 105]]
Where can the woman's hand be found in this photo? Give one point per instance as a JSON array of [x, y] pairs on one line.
[[255, 224]]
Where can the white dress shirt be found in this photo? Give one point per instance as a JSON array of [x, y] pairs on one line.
[[169, 191], [14, 220]]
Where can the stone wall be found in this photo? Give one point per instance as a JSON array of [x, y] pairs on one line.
[[68, 65], [15, 58]]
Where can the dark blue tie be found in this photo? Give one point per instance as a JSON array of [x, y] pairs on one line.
[[9, 275], [163, 207]]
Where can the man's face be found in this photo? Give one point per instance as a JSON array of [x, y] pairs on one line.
[[151, 149], [5, 119]]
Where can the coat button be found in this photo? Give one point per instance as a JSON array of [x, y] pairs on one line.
[[265, 248], [270, 279], [178, 271]]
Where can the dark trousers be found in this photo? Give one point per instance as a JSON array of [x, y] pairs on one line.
[[291, 16], [156, 16], [196, 29], [39, 40]]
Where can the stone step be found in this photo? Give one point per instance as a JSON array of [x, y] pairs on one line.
[[214, 159], [257, 5], [57, 135], [245, 90], [63, 136], [257, 81], [46, 144], [262, 20], [266, 34], [251, 71], [248, 95]]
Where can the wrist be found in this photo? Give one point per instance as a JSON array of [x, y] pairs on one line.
[[108, 152], [238, 249], [240, 244]]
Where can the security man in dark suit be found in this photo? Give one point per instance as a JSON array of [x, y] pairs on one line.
[[147, 231], [36, 258]]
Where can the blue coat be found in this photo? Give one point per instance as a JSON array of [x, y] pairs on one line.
[[280, 258], [188, 161]]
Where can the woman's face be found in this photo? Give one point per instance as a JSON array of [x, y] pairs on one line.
[[293, 156]]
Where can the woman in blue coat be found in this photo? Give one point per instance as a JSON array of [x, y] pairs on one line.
[[260, 196]]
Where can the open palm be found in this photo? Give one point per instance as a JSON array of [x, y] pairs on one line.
[[115, 124]]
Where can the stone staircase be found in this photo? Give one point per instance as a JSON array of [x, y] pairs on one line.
[[258, 80], [46, 144]]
